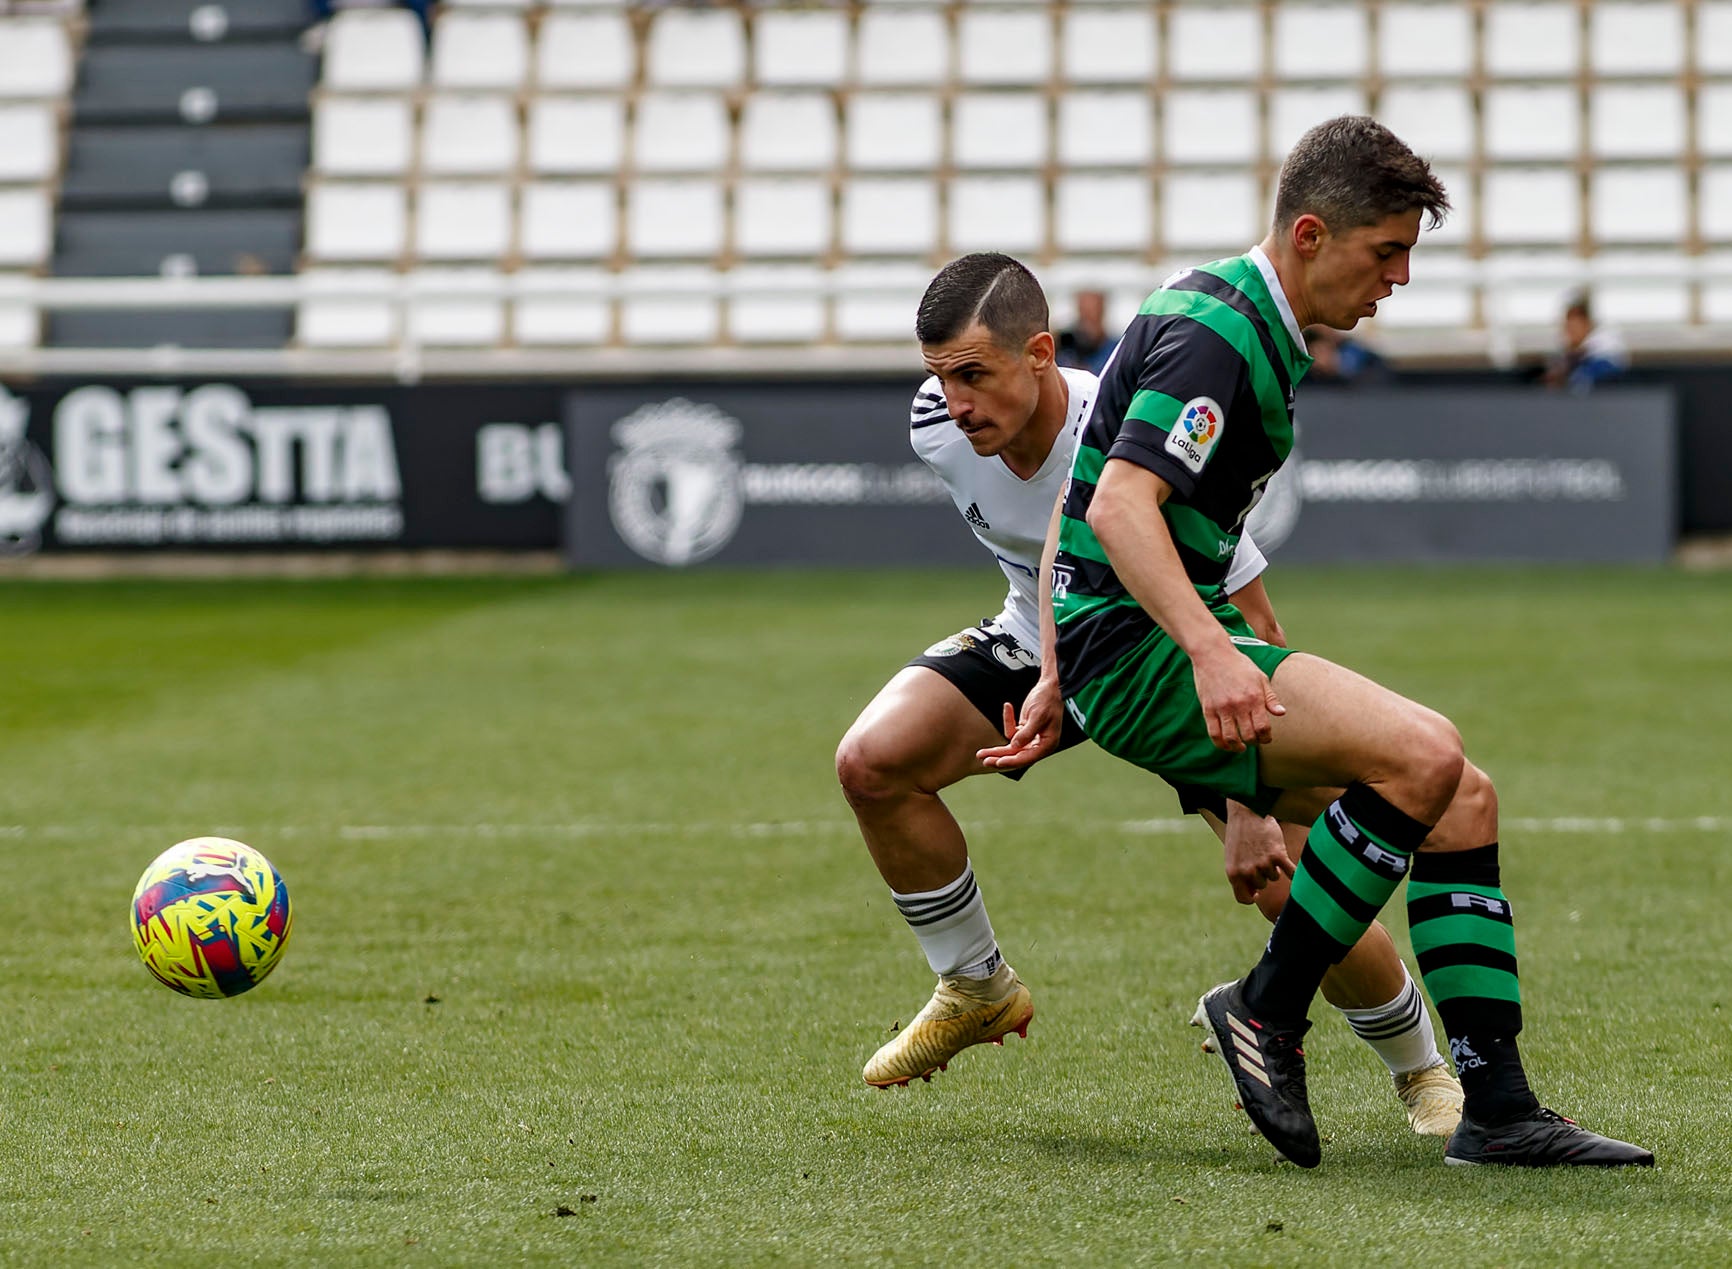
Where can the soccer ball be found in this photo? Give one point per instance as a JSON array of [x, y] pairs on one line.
[[210, 917]]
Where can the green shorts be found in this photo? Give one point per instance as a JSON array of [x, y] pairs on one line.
[[1145, 710]]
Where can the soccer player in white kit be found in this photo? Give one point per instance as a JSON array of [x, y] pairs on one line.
[[998, 421]]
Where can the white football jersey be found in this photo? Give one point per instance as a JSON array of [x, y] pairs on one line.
[[1010, 515]]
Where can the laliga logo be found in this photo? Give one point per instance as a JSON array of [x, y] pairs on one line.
[[26, 481], [674, 488], [1200, 422]]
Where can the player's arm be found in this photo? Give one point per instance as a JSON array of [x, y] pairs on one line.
[[1036, 734], [1252, 601], [1254, 853]]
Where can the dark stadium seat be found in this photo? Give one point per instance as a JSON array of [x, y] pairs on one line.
[[209, 328], [193, 84], [250, 165], [176, 21], [214, 241]]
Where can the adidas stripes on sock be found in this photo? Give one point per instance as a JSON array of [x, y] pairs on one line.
[[953, 928], [1400, 1031]]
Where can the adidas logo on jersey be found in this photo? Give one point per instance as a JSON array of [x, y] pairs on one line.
[[973, 516]]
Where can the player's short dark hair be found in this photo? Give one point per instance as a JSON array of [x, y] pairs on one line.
[[1351, 171], [1579, 304], [995, 290]]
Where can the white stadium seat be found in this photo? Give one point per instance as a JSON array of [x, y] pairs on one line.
[[1205, 43], [893, 132], [467, 220], [1435, 119], [996, 213], [1532, 122], [1102, 213], [1636, 121], [1530, 205], [1714, 211], [347, 308], [1457, 226], [1714, 120], [1105, 129], [1635, 39], [1209, 125], [363, 136], [876, 301], [998, 130], [775, 304], [882, 216], [1531, 39], [1713, 43], [1438, 296], [1295, 111], [675, 218], [1210, 210], [1527, 287], [1639, 204], [20, 324], [782, 217], [29, 143], [1424, 40], [1004, 46], [561, 307], [480, 51], [788, 132], [354, 222], [26, 227], [585, 50], [1637, 288], [571, 136], [35, 58], [696, 48], [1108, 46], [1319, 41], [373, 50], [901, 46], [441, 315], [800, 48], [672, 305], [681, 132], [469, 136], [568, 220]]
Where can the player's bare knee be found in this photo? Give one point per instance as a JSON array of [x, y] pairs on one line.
[[1478, 796], [1432, 762], [870, 773]]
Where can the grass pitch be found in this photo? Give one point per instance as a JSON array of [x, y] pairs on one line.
[[587, 953]]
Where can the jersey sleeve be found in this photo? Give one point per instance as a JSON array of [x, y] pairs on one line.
[[1187, 383], [1247, 566]]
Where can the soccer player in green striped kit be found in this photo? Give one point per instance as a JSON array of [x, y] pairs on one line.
[[1194, 415]]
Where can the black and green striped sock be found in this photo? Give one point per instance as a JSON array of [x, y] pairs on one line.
[[1355, 857]]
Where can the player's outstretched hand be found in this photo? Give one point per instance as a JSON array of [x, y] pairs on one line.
[[1254, 854], [1238, 700], [1035, 736]]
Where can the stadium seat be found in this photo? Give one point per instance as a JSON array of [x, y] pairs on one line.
[[1627, 121], [1714, 120], [1436, 120], [1294, 111], [1713, 42], [681, 132], [560, 307], [1530, 205], [1531, 39], [585, 50], [20, 324], [793, 48], [347, 308], [1457, 227], [568, 220], [788, 132], [1220, 44], [996, 213], [469, 136], [194, 84], [1003, 46], [1209, 125], [1438, 296], [441, 315], [1532, 122], [29, 143], [26, 228], [901, 47], [1108, 46], [1424, 40], [998, 130], [670, 305], [1635, 39], [1639, 204], [1714, 211], [480, 51], [876, 300], [467, 220], [250, 165], [889, 216], [1105, 129], [1528, 288], [1210, 210], [674, 218], [1319, 41], [362, 136], [356, 222], [1096, 213], [893, 132], [775, 304], [783, 217], [570, 136], [35, 58], [1642, 288], [373, 50], [696, 48]]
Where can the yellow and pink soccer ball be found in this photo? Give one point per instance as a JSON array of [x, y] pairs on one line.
[[210, 917]]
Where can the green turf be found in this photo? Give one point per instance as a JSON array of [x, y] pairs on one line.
[[583, 925]]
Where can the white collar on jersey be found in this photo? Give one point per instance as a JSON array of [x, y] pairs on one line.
[[1273, 281]]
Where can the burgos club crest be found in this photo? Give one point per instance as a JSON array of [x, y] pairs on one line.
[[1195, 432], [26, 481], [674, 486]]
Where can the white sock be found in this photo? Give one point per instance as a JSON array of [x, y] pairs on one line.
[[1399, 1032], [953, 928]]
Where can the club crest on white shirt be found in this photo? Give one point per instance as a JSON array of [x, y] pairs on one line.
[[1195, 432]]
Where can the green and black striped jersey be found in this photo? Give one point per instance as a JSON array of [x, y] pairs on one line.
[[1200, 392]]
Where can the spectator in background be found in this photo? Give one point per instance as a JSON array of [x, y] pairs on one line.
[[313, 39], [1087, 345], [1337, 357], [1591, 354]]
